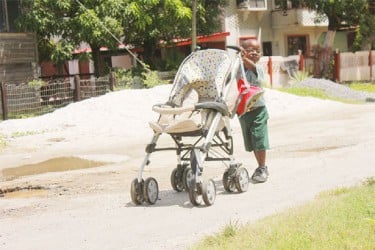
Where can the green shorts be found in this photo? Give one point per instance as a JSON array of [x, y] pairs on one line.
[[255, 130]]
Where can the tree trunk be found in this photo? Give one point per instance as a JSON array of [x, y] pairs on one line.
[[99, 65], [326, 54]]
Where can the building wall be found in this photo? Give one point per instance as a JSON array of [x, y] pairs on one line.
[[273, 26], [18, 57]]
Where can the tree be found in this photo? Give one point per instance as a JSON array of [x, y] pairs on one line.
[[62, 25], [168, 20], [340, 13]]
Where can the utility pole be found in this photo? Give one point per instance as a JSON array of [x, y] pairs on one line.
[[194, 25]]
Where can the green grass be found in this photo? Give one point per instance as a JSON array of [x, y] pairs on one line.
[[317, 93], [339, 219], [2, 141], [368, 87]]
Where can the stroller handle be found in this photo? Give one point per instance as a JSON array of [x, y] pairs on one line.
[[238, 49]]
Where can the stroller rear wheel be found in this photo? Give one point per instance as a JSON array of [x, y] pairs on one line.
[[136, 192], [187, 178], [150, 190], [177, 180], [242, 179], [209, 192], [228, 182]]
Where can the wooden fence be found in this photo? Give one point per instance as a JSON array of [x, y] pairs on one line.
[[358, 66], [348, 66], [18, 100]]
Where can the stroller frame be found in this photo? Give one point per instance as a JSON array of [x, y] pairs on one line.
[[214, 143]]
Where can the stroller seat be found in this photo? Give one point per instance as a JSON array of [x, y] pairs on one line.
[[197, 90]]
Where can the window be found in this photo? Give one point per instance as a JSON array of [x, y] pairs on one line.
[[257, 4], [287, 4], [9, 12], [297, 42], [252, 4], [267, 48]]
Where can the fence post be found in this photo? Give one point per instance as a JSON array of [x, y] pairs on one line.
[[4, 100], [370, 62], [337, 65], [301, 64], [270, 69], [112, 81], [77, 88]]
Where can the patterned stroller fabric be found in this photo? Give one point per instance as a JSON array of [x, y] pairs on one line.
[[204, 71], [201, 78]]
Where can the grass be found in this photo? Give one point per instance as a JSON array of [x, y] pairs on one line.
[[343, 218], [2, 141], [368, 87], [317, 93]]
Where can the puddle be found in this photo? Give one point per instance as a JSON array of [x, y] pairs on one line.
[[52, 165], [318, 149], [24, 192]]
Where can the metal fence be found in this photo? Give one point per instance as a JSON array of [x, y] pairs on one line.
[[23, 100]]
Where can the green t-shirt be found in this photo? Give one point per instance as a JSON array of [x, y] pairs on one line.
[[256, 79]]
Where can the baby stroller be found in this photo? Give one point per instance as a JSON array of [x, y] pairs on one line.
[[203, 99]]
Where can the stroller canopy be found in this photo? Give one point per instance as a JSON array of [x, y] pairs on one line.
[[206, 72]]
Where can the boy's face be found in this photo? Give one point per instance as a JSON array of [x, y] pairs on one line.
[[252, 51]]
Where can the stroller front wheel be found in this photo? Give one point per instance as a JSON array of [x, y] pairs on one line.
[[136, 192], [151, 190], [209, 192], [242, 179], [195, 193]]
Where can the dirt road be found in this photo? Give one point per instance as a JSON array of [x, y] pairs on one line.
[[324, 146]]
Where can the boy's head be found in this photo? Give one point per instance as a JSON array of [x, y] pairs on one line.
[[251, 49]]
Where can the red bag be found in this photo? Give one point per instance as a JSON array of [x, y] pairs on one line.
[[248, 95]]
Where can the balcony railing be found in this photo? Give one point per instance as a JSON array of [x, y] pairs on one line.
[[298, 17]]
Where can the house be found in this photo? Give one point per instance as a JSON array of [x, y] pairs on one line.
[[283, 26]]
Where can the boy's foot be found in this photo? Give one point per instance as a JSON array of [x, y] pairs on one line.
[[260, 174]]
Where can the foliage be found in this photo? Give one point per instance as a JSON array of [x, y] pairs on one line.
[[151, 79], [123, 78], [365, 38], [36, 83], [63, 25], [136, 78], [299, 76], [339, 12]]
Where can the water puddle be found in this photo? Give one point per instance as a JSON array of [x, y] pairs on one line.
[[52, 165], [24, 192], [318, 149]]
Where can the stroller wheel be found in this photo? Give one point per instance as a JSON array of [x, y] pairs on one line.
[[136, 192], [228, 182], [176, 180], [151, 190], [242, 179], [209, 192], [187, 178], [195, 194]]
